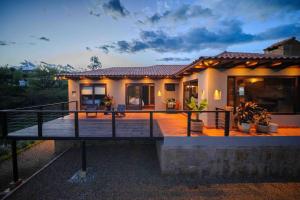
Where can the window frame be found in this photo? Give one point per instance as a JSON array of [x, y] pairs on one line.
[[93, 93], [295, 101]]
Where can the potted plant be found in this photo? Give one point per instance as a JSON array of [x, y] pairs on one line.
[[262, 121], [196, 123], [245, 116], [108, 100]]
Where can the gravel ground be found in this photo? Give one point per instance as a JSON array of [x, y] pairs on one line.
[[131, 171], [29, 161]]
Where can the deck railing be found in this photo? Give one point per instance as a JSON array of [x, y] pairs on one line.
[[40, 113]]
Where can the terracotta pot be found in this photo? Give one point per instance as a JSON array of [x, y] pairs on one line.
[[273, 128], [262, 128], [244, 127], [197, 126]]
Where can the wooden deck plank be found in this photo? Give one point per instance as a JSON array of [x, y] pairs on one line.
[[133, 125]]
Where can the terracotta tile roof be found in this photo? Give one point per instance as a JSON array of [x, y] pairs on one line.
[[277, 44], [245, 55], [155, 70], [226, 55]]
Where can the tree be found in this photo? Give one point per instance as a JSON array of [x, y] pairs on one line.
[[95, 63]]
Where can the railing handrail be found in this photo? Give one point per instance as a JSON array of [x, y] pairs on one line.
[[44, 105], [126, 111], [217, 108]]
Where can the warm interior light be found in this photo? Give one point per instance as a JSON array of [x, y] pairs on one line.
[[198, 66], [251, 63], [210, 63], [159, 93], [276, 63], [254, 80], [217, 95]]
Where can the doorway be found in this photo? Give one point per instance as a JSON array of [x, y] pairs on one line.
[[190, 89], [139, 96]]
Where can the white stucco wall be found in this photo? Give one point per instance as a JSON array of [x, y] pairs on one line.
[[209, 80], [116, 88]]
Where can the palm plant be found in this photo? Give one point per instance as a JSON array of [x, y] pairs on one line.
[[194, 106]]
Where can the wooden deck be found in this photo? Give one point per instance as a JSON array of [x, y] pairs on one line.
[[133, 125]]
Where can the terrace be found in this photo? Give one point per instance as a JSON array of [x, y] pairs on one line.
[[57, 122]]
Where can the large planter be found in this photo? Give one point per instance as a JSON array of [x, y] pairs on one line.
[[273, 128], [107, 108], [244, 127], [262, 128], [197, 126]]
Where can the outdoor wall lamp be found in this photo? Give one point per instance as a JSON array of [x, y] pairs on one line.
[[202, 94], [217, 95], [159, 93]]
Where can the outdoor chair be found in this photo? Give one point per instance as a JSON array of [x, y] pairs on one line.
[[121, 110], [92, 107]]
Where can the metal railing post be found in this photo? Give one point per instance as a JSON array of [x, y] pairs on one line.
[[4, 124], [227, 122], [76, 124], [217, 118], [40, 123], [62, 107], [76, 103], [113, 123], [151, 124], [83, 156], [14, 161], [189, 124]]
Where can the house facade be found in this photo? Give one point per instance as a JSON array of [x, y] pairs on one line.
[[271, 79]]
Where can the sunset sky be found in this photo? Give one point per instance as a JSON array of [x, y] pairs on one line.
[[140, 32]]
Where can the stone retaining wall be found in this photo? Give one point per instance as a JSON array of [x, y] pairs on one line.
[[230, 157]]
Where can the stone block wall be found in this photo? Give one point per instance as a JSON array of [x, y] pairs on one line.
[[235, 157]]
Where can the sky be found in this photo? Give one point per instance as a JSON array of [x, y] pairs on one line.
[[140, 32]]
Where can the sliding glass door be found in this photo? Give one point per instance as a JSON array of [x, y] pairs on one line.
[[276, 94], [139, 96]]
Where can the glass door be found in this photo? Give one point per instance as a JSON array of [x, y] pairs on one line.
[[190, 89], [139, 96], [133, 97]]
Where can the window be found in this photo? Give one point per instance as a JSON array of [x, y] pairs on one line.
[[170, 86], [93, 94], [276, 94]]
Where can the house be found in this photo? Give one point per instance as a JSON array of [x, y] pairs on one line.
[[271, 79]]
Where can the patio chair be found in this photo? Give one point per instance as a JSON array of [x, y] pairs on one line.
[[121, 110], [91, 107]]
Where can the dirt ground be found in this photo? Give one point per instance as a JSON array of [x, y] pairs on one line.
[[29, 161], [131, 171]]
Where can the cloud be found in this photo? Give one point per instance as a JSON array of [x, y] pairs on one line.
[[6, 43], [44, 38], [202, 38], [258, 8], [176, 59], [115, 8], [106, 48], [2, 43], [184, 12], [281, 31], [95, 14]]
